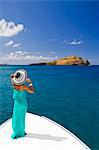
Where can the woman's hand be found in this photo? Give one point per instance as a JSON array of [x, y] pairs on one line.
[[29, 89], [28, 80]]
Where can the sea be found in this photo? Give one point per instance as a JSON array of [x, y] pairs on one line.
[[69, 95]]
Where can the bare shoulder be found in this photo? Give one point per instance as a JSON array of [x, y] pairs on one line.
[[19, 87], [24, 87]]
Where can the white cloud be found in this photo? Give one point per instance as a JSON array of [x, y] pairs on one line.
[[8, 29], [75, 42], [9, 43], [16, 45], [26, 30], [51, 52], [52, 40], [12, 44], [24, 57], [21, 52], [56, 57]]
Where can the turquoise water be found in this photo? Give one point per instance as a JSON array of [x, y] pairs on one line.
[[67, 94]]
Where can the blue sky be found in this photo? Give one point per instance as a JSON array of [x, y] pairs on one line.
[[44, 31]]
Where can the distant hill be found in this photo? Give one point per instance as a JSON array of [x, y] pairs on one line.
[[4, 64], [70, 60]]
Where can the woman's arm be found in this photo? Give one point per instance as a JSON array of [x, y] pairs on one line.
[[29, 89]]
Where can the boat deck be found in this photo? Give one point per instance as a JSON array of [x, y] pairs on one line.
[[42, 134]]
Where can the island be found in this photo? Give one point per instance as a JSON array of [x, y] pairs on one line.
[[4, 64], [70, 60]]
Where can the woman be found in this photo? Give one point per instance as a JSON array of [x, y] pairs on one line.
[[20, 102]]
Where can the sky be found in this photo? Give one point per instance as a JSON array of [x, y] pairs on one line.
[[39, 31]]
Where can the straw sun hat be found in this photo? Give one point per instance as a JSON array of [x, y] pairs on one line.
[[19, 77]]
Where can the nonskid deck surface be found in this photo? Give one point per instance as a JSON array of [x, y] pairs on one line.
[[42, 134]]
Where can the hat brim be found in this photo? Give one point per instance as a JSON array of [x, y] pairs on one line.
[[21, 79]]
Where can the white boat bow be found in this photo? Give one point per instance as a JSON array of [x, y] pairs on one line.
[[42, 134]]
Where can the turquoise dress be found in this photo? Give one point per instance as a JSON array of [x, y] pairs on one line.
[[19, 112]]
